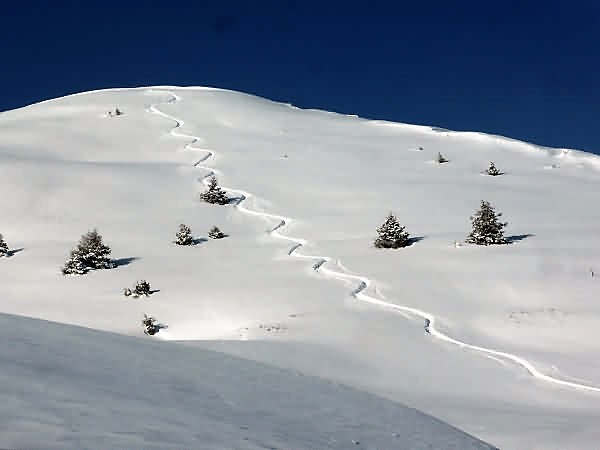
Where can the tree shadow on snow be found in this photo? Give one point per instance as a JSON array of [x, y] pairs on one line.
[[518, 237], [413, 240], [154, 291], [124, 261], [14, 251], [234, 200], [195, 241]]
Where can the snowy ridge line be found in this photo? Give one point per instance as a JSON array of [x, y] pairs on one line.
[[364, 283], [568, 154], [125, 89], [150, 89], [582, 155]]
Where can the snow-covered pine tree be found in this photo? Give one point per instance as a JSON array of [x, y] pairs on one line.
[[492, 170], [391, 234], [3, 247], [184, 235], [150, 325], [214, 194], [487, 227], [90, 253], [74, 265], [94, 253], [142, 287], [441, 159], [215, 233]]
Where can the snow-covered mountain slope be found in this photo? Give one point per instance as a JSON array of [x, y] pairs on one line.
[[69, 387], [498, 341]]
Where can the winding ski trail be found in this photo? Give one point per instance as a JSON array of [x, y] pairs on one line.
[[320, 262]]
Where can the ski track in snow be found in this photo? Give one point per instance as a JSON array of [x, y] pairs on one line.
[[320, 262]]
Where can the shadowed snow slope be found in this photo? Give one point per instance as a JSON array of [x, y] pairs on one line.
[[69, 387], [498, 341]]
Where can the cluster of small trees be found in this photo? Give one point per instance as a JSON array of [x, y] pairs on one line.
[[91, 253], [116, 113], [487, 229], [184, 235], [486, 224], [492, 170]]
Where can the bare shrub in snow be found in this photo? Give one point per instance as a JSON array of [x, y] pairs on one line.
[[440, 159]]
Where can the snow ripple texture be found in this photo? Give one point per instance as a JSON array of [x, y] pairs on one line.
[[321, 263]]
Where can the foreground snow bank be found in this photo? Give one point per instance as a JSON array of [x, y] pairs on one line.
[[69, 387]]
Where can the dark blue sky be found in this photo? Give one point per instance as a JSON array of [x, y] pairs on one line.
[[525, 69]]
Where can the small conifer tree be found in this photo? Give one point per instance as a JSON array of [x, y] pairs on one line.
[[214, 194], [150, 325], [184, 235], [487, 227], [215, 233], [391, 234], [3, 247], [91, 253], [492, 170], [74, 265], [440, 159], [142, 287]]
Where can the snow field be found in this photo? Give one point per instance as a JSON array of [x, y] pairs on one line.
[[331, 179]]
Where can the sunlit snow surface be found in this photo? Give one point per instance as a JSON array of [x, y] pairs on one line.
[[527, 312]]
